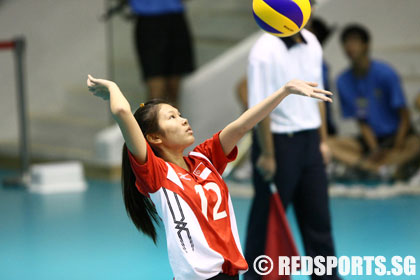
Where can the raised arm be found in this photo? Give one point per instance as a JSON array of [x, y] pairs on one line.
[[121, 112], [234, 131]]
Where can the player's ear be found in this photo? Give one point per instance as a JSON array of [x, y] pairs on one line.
[[154, 138]]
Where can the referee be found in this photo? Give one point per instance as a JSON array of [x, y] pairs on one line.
[[288, 146]]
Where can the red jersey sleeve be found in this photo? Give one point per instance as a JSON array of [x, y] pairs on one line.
[[150, 175], [212, 149]]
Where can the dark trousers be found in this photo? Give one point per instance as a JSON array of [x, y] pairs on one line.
[[301, 180]]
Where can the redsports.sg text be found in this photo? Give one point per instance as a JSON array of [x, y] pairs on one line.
[[345, 265]]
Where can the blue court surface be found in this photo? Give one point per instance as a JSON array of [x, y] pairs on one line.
[[89, 236]]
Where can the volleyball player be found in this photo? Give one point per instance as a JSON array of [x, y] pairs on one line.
[[186, 192]]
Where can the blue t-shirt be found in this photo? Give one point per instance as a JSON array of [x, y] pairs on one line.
[[375, 98], [156, 7]]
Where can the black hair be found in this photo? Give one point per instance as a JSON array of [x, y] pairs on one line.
[[320, 29], [139, 207], [355, 30]]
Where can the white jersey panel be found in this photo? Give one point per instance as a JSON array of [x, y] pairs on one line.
[[235, 230], [193, 259]]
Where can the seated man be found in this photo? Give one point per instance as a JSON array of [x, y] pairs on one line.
[[370, 92]]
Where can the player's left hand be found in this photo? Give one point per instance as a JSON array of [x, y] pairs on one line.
[[308, 89]]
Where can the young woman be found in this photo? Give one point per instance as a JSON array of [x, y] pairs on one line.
[[186, 192]]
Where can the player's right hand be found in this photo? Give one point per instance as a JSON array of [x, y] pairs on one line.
[[99, 87]]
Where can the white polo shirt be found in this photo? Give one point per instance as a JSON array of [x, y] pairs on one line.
[[271, 65]]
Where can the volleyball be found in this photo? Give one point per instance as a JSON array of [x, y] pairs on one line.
[[281, 18]]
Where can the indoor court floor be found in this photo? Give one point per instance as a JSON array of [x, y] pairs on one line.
[[89, 236]]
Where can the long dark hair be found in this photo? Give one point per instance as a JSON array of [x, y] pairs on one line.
[[140, 208]]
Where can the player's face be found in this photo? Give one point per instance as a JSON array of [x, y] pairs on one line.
[[177, 132], [355, 48]]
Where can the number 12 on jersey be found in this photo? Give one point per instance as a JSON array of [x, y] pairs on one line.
[[215, 188]]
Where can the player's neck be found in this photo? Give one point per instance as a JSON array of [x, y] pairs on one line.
[[175, 157], [361, 66]]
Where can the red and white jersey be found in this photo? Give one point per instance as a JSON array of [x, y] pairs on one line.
[[196, 209]]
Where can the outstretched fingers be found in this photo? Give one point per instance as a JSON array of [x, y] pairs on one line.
[[91, 81], [321, 97], [96, 88], [312, 84], [91, 78], [90, 84], [318, 90], [309, 89], [94, 81], [320, 93]]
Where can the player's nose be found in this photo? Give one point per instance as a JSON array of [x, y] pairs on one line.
[[184, 121]]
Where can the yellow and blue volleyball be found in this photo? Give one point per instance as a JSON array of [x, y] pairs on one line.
[[281, 18]]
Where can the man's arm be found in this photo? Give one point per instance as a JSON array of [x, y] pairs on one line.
[[323, 133], [403, 128], [323, 128], [368, 136], [266, 163]]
